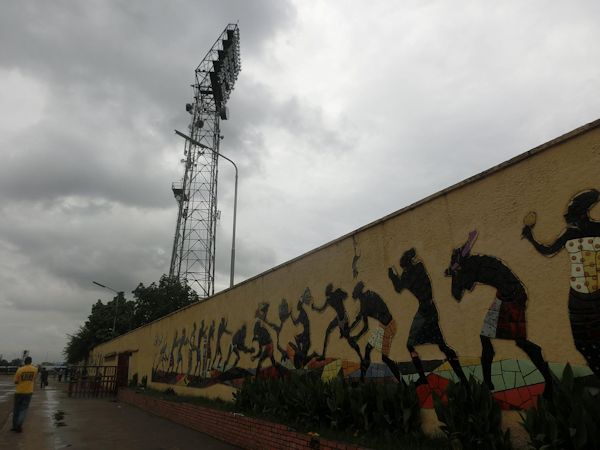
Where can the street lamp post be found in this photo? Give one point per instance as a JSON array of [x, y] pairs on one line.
[[201, 145], [119, 293]]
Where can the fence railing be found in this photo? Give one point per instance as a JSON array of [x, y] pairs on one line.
[[92, 381]]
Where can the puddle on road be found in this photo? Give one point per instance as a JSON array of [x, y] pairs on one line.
[[59, 418], [52, 411]]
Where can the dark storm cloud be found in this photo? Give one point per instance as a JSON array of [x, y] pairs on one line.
[[54, 162], [108, 67], [143, 44], [85, 179]]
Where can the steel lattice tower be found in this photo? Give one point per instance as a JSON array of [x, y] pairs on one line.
[[193, 256]]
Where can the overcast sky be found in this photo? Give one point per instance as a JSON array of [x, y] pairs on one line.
[[344, 112]]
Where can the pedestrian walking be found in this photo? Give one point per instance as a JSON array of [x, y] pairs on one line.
[[43, 377], [24, 380]]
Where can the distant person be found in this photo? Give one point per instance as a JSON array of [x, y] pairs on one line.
[[43, 377], [24, 380], [60, 375]]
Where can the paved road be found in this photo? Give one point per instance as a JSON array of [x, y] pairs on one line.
[[56, 422]]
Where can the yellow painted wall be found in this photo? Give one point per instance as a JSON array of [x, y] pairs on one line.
[[494, 204]]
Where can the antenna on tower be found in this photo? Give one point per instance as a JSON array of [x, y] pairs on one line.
[[193, 255]]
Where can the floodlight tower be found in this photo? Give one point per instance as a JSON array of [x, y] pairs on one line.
[[193, 256]]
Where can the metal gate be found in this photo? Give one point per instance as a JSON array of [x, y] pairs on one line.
[[92, 381]]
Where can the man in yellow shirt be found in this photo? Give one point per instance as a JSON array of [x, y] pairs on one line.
[[24, 380]]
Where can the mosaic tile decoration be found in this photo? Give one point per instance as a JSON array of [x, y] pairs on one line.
[[517, 382]]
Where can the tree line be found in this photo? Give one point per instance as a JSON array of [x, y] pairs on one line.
[[149, 303]]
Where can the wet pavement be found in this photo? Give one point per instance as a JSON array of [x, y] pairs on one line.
[[56, 422]]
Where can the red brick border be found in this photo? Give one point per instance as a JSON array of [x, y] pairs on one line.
[[234, 428]]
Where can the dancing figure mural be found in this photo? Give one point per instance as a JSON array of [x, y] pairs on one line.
[[372, 305], [199, 348], [581, 239], [182, 341], [425, 327], [172, 354], [265, 346], [238, 343], [208, 344], [161, 358], [220, 332], [191, 349], [301, 344], [506, 317], [284, 312], [335, 299]]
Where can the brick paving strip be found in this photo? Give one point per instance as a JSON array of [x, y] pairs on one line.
[[235, 428]]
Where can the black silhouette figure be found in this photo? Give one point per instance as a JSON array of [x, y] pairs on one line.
[[581, 239], [284, 313], [335, 299], [162, 355], [425, 328], [301, 345], [265, 345], [506, 317], [172, 354], [209, 338], [238, 343], [220, 332], [199, 353], [191, 349], [182, 341], [372, 305]]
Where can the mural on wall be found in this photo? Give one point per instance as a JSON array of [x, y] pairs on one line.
[[208, 347], [298, 350], [172, 354], [284, 314], [160, 357], [335, 300], [191, 349], [265, 346], [220, 332], [506, 317], [183, 340], [200, 366], [372, 305], [581, 239], [188, 359], [238, 344], [425, 328]]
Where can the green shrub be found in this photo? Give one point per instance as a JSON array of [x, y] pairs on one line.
[[570, 420], [390, 410], [134, 381], [471, 417], [170, 392]]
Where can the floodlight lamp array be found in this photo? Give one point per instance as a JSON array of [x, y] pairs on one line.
[[226, 67]]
